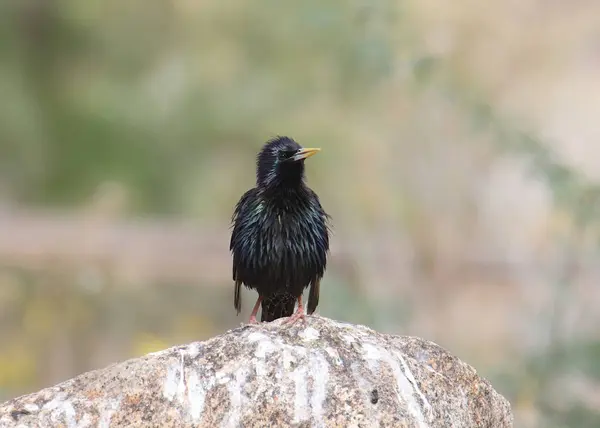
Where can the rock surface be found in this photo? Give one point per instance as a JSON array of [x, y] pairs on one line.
[[320, 373]]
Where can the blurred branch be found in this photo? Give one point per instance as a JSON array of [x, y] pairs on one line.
[[167, 249], [146, 251]]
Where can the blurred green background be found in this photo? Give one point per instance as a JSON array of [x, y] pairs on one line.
[[460, 166]]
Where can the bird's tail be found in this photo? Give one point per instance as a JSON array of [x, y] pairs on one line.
[[277, 306]]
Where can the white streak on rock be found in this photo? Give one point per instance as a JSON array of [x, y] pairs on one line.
[[372, 356], [372, 352], [170, 385], [300, 395], [105, 416], [404, 388], [193, 350], [181, 385], [265, 347], [192, 395], [63, 410], [54, 403], [236, 398], [260, 366], [412, 380], [288, 359], [309, 334], [319, 368], [69, 414], [223, 380], [348, 339], [255, 336], [196, 396], [333, 353], [85, 421], [372, 414], [31, 407]]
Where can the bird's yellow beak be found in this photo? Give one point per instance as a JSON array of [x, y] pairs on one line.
[[305, 153]]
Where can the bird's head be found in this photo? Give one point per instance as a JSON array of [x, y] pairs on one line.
[[281, 163]]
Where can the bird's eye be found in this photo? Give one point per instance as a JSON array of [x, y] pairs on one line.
[[286, 154]]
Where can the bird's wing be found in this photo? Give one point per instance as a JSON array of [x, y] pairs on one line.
[[237, 296], [241, 214], [323, 226], [326, 217], [324, 223], [243, 206], [313, 296]]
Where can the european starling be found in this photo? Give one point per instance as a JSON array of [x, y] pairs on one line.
[[280, 236]]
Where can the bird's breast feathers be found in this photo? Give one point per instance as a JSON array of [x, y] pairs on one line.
[[272, 235]]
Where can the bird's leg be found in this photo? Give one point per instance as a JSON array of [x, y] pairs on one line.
[[299, 314], [255, 310]]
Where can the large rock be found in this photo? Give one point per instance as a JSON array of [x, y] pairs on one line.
[[320, 373]]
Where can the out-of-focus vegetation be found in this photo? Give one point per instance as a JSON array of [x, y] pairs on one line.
[[459, 165]]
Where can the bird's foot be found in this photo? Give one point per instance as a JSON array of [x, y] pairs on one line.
[[252, 319], [297, 316]]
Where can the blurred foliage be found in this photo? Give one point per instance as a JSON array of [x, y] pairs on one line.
[[169, 99], [62, 326], [538, 380], [102, 94]]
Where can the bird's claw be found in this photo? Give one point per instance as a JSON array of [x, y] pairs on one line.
[[252, 320], [298, 315]]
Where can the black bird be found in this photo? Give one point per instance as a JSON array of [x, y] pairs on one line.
[[280, 237]]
